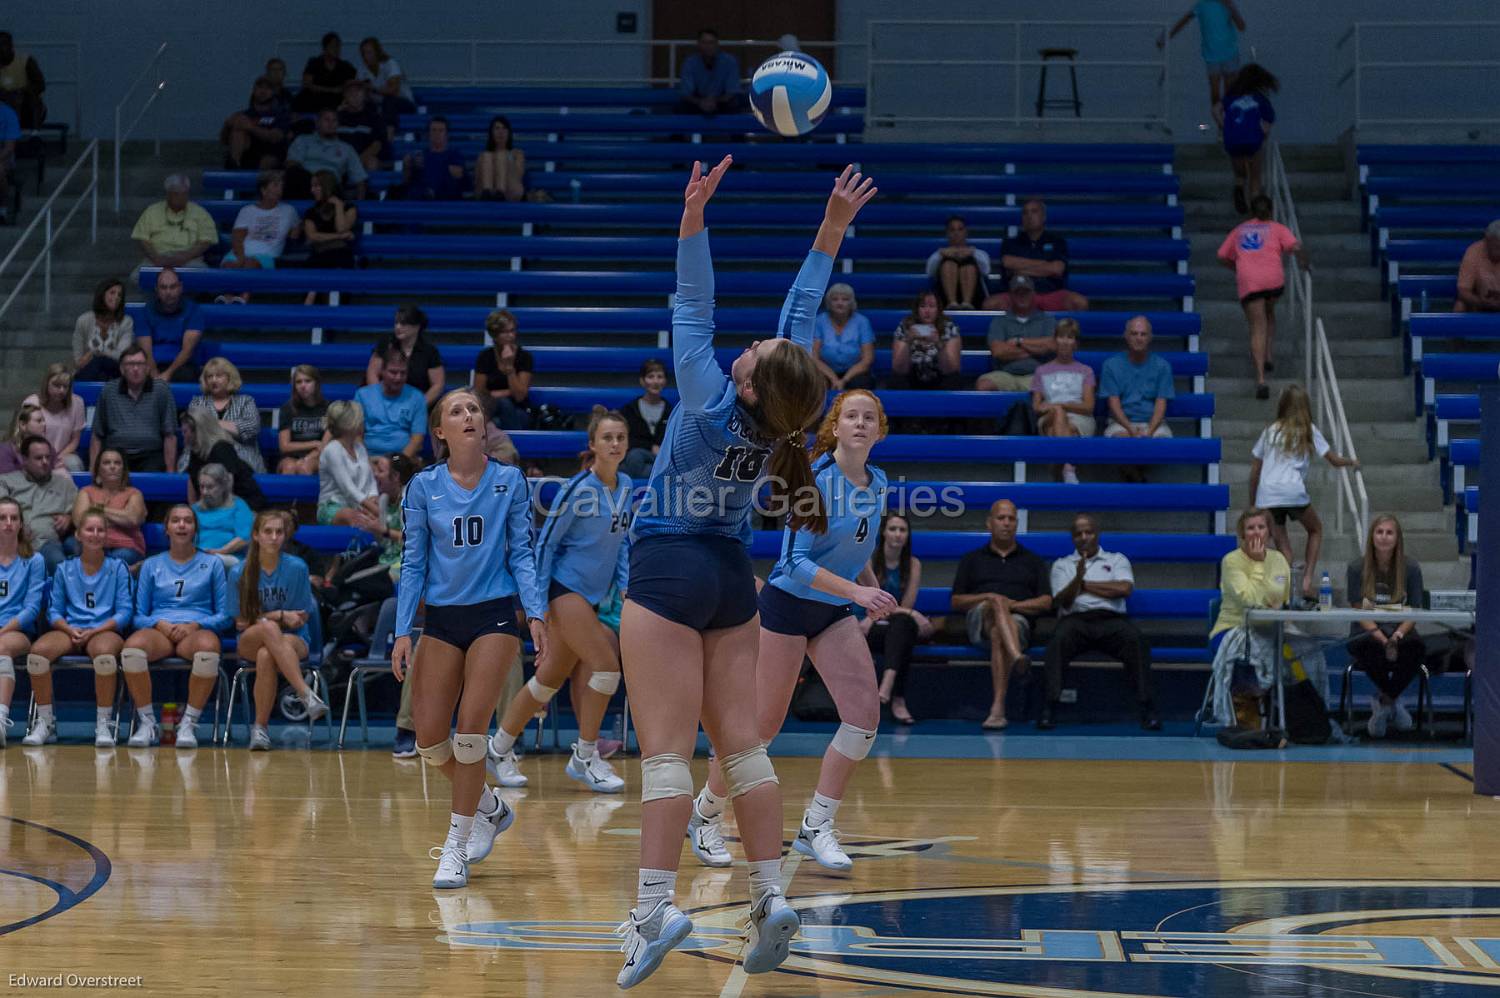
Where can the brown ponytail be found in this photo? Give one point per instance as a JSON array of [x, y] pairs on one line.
[[790, 393], [250, 574]]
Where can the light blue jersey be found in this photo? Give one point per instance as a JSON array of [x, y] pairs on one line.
[[705, 478], [192, 592], [21, 585], [582, 544], [854, 514], [287, 588], [462, 547], [89, 601], [1221, 42]]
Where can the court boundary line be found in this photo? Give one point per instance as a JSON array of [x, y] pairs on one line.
[[67, 898]]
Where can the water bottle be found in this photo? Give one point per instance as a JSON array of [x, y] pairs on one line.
[[1325, 593]]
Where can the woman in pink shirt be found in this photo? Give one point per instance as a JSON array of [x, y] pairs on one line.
[[1254, 250]]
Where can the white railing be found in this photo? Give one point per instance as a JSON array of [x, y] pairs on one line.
[[52, 227], [895, 47], [123, 132], [1416, 73]]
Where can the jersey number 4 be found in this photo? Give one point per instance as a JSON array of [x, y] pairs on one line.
[[468, 530], [863, 530], [741, 464]]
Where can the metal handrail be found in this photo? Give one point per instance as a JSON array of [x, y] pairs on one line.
[[121, 134], [1351, 483], [44, 217], [1358, 64]]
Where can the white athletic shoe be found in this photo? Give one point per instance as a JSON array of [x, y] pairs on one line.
[[43, 732], [260, 739], [104, 734], [187, 735], [1379, 714], [4, 731], [768, 933], [648, 939], [707, 839], [145, 734], [316, 708], [486, 827], [1401, 717], [821, 842], [504, 769], [453, 867], [594, 773]]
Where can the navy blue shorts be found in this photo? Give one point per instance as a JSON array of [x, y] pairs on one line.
[[783, 613], [556, 589], [461, 626], [701, 581], [1243, 152]]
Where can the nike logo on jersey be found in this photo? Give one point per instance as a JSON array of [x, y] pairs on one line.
[[436, 498]]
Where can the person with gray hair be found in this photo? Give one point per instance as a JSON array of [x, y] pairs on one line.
[[206, 442], [843, 344], [175, 232], [1479, 274], [224, 519], [347, 494]]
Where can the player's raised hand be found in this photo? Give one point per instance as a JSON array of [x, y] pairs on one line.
[[851, 192], [701, 186]]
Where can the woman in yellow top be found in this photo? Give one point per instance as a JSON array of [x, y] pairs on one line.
[[1253, 576]]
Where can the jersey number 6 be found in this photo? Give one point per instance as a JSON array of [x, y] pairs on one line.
[[468, 530], [741, 464]]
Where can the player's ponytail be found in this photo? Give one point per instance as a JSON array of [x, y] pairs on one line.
[[250, 575], [789, 394]]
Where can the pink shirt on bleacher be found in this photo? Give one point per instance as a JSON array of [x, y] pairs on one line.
[[1255, 248]]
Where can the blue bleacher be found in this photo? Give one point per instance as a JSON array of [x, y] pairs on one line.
[[468, 130], [950, 545], [1446, 410], [328, 540], [501, 97], [1450, 326], [1476, 368]]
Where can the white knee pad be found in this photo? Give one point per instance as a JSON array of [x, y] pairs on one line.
[[744, 771], [206, 664], [665, 775], [7, 667], [37, 666], [133, 660], [543, 694], [605, 682], [105, 665], [469, 748], [851, 742], [436, 755]]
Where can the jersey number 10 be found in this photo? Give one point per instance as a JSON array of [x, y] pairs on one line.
[[468, 530]]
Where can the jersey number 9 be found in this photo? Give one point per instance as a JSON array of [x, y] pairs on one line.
[[468, 530]]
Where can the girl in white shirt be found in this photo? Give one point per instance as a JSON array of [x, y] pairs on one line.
[[346, 482]]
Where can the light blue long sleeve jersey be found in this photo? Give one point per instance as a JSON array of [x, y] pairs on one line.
[[854, 514], [462, 547], [711, 461], [287, 588], [191, 592], [87, 601], [21, 585], [582, 544]]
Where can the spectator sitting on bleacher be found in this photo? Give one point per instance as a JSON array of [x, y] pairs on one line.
[[1254, 250], [424, 364], [21, 83], [123, 504], [27, 422], [346, 482], [224, 519], [236, 411], [1019, 340], [175, 232], [204, 442], [170, 320], [1479, 274], [1389, 651], [927, 350], [710, 79], [1247, 120], [395, 412], [436, 173], [323, 78], [1089, 589], [1041, 256], [303, 420], [1001, 589], [276, 76], [843, 344], [136, 416], [46, 497], [262, 229], [500, 172], [256, 138], [646, 419], [63, 413], [503, 372], [894, 637], [328, 226], [102, 333], [1253, 576], [1062, 394], [1137, 385], [958, 270], [323, 150], [382, 76], [362, 125], [10, 134], [391, 475]]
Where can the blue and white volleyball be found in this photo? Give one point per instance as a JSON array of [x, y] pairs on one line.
[[790, 93]]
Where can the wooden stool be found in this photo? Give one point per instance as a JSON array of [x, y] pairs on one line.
[[1042, 101]]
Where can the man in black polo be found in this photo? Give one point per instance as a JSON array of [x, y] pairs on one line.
[[137, 417], [1042, 256], [1002, 588]]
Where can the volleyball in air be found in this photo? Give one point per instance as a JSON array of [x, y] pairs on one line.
[[790, 92]]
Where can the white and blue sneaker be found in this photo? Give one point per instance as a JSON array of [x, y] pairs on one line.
[[648, 939], [486, 827], [453, 866], [821, 842], [594, 773], [504, 769], [43, 732], [1380, 713], [706, 836], [768, 933], [1401, 717]]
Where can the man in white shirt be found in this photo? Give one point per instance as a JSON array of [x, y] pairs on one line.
[[262, 229], [1089, 589]]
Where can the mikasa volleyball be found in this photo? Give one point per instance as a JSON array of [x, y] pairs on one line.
[[789, 93]]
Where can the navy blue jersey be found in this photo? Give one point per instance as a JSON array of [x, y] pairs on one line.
[[466, 546], [192, 592], [854, 514], [287, 588], [88, 601], [21, 585], [582, 544]]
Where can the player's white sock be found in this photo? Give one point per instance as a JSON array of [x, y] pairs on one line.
[[146, 715], [459, 826], [44, 711], [821, 810], [765, 876], [587, 750], [710, 804], [653, 886], [488, 802], [191, 714], [102, 714], [502, 741], [4, 714]]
